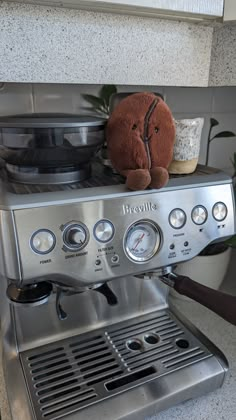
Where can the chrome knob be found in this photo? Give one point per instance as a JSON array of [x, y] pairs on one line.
[[219, 211], [104, 231], [199, 215], [43, 241], [75, 236], [177, 218]]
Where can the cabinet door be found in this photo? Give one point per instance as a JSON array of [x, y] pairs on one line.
[[178, 9], [230, 10]]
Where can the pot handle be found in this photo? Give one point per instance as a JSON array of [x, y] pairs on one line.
[[221, 303]]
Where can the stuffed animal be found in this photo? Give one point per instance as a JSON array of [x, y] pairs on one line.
[[140, 140]]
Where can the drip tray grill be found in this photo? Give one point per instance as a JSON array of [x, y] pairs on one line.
[[71, 374]]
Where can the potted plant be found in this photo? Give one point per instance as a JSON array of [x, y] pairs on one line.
[[219, 248], [101, 105], [210, 266], [234, 166]]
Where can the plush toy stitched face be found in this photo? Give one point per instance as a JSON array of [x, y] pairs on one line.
[[140, 136]]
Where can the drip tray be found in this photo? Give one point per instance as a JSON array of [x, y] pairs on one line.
[[71, 374]]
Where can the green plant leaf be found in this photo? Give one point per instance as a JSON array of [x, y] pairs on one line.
[[93, 110], [106, 92], [214, 249], [231, 241], [213, 122], [233, 161], [94, 100], [223, 134]]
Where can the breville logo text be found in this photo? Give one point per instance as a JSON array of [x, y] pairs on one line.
[[127, 209]]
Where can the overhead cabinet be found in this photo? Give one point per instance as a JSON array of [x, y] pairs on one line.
[[175, 9], [230, 10]]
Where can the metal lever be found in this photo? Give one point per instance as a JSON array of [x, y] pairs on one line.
[[105, 290], [169, 279], [221, 303], [60, 312]]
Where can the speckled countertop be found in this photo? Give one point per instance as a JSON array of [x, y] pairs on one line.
[[218, 405]]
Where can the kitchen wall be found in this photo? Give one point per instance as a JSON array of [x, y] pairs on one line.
[[56, 45], [223, 58], [218, 103]]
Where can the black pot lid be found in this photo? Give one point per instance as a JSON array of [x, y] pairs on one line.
[[51, 121]]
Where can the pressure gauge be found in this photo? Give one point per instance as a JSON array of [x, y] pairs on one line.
[[142, 241]]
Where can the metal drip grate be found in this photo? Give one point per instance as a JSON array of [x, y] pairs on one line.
[[71, 374]]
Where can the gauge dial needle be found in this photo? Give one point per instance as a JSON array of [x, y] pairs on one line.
[[138, 241]]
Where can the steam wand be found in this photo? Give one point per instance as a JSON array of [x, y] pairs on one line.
[[60, 311]]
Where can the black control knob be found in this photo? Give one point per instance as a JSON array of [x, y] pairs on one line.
[[76, 236]]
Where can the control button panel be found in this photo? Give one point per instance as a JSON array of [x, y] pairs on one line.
[[177, 218], [42, 241], [104, 239], [219, 211], [75, 236], [199, 215], [104, 231]]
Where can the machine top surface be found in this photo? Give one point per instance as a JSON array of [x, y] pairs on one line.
[[103, 184]]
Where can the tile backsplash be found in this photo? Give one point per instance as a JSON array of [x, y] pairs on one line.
[[16, 98], [218, 103]]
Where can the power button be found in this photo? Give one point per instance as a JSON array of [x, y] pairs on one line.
[[42, 241]]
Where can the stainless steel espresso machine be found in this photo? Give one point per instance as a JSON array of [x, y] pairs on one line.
[[85, 334]]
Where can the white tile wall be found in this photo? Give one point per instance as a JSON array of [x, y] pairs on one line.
[[189, 99], [16, 98], [224, 99], [62, 98]]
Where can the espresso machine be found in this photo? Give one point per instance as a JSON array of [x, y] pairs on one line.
[[87, 330]]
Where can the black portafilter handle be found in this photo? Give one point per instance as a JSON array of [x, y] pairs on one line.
[[221, 303], [105, 290]]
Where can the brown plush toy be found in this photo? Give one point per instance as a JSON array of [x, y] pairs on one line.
[[140, 140]]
